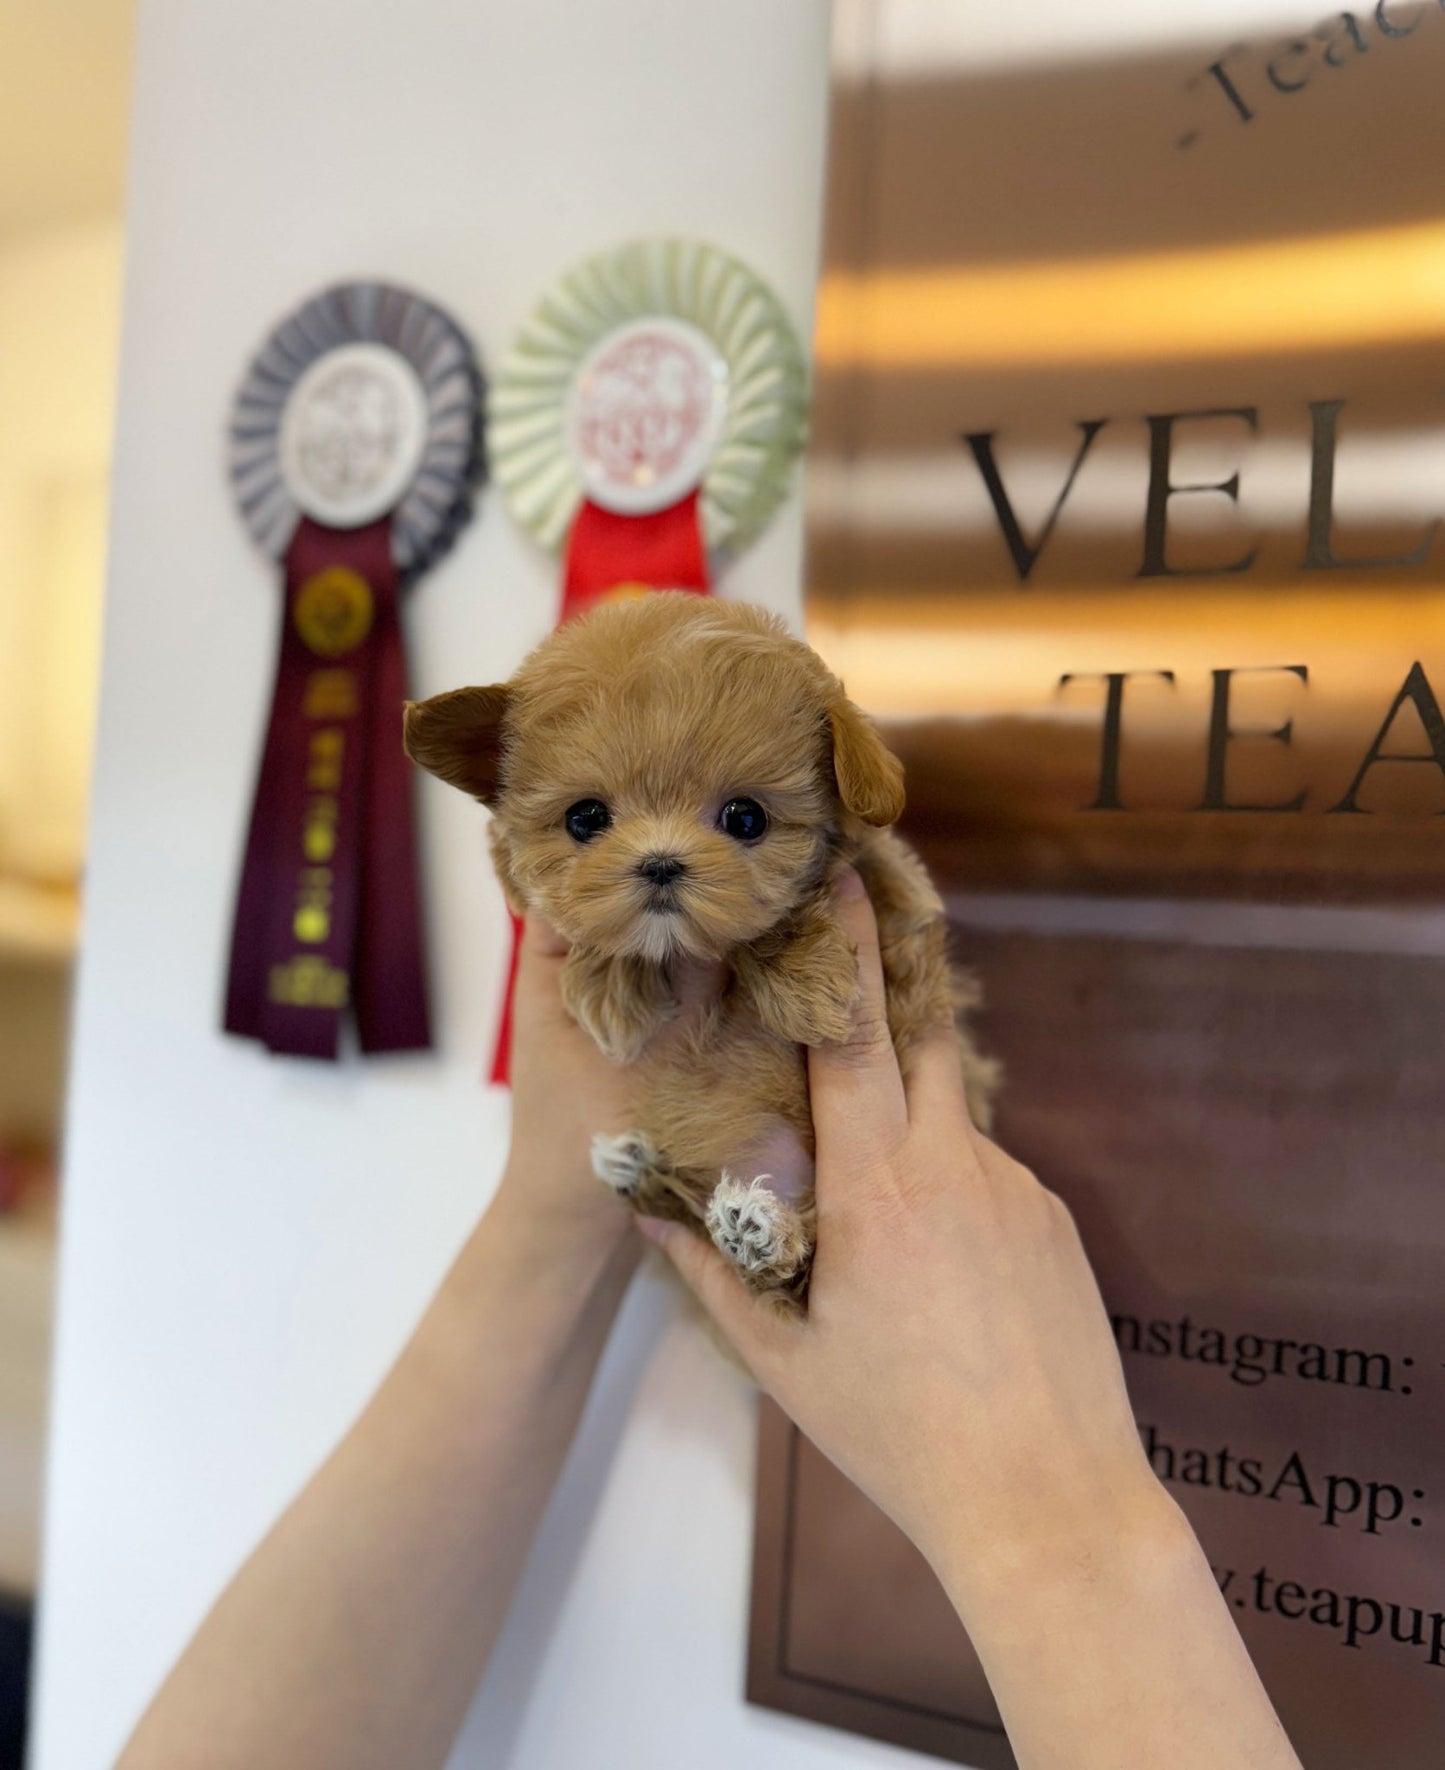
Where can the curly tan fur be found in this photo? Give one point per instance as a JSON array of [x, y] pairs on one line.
[[665, 708]]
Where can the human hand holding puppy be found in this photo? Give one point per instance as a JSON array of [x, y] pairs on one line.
[[957, 1363], [956, 1360], [564, 1090]]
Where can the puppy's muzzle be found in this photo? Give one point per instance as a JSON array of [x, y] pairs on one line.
[[663, 873]]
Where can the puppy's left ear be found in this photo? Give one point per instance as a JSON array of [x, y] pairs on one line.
[[458, 738], [869, 775]]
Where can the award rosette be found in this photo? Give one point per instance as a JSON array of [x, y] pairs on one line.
[[645, 424], [355, 443], [648, 416]]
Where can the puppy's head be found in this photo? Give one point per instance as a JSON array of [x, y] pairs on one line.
[[669, 775]]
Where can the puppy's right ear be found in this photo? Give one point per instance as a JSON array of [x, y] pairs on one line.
[[458, 738], [869, 775]]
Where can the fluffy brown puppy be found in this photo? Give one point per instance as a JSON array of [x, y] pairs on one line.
[[675, 778]]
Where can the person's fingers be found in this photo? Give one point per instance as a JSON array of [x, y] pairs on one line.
[[751, 1327], [933, 1078], [860, 1113], [537, 998], [998, 1165]]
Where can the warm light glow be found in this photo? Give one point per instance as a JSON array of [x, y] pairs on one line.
[[1383, 286], [996, 652], [59, 311]]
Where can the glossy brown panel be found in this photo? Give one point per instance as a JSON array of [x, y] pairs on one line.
[[1125, 507], [1250, 1141], [1035, 159]]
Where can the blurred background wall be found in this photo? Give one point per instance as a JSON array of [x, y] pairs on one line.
[[64, 100], [246, 1240]]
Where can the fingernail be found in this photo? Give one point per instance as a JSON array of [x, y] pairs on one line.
[[655, 1229], [847, 884]]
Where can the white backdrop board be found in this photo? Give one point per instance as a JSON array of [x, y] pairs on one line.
[[247, 1241]]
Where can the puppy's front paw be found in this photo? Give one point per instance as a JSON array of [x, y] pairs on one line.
[[758, 1232], [624, 1162]]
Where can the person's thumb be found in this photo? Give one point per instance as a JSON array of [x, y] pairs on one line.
[[749, 1324], [537, 992]]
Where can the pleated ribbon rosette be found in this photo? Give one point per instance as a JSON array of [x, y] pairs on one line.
[[355, 445]]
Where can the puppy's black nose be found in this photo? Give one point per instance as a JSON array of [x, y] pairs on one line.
[[661, 869]]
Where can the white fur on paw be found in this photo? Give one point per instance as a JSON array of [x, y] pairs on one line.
[[621, 1162], [751, 1226]]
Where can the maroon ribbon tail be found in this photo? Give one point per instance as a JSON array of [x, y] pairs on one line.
[[391, 993], [328, 912], [246, 974]]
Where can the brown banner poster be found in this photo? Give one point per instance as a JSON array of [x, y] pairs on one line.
[[1129, 460]]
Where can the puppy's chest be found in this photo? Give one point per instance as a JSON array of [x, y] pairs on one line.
[[735, 1100], [732, 1058]]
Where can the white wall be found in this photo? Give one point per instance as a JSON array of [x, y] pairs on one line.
[[246, 1241]]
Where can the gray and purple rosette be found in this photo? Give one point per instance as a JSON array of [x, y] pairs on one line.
[[354, 450]]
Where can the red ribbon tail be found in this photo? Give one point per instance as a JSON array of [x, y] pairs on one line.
[[660, 551], [607, 552], [502, 1057]]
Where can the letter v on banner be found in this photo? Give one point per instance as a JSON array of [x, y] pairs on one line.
[[646, 419], [1025, 556]]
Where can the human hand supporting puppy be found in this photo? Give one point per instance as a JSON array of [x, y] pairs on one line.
[[956, 1362], [566, 1086]]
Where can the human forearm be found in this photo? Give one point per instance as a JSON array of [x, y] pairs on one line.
[[1106, 1642], [356, 1632]]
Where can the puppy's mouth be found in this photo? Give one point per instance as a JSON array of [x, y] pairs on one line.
[[663, 900]]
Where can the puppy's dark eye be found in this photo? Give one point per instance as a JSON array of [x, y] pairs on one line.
[[743, 819], [586, 819]]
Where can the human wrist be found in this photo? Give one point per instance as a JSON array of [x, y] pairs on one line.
[[564, 1213], [1127, 1539], [1035, 1551], [569, 1243], [541, 1283]]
